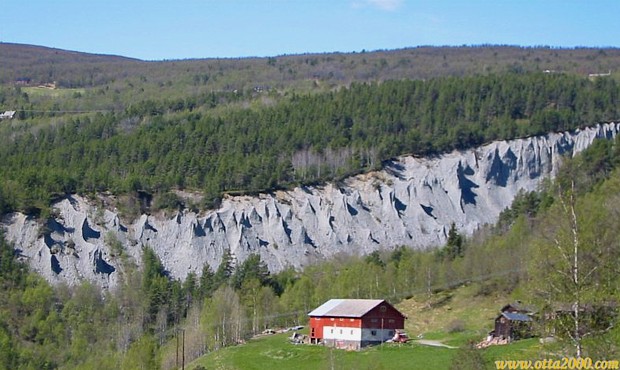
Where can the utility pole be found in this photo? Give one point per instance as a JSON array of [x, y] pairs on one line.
[[182, 349]]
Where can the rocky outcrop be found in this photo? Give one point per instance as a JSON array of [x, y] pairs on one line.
[[411, 202]]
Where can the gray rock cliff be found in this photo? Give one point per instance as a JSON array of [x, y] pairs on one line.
[[411, 202]]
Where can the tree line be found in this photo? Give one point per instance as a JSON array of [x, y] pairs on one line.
[[156, 146]]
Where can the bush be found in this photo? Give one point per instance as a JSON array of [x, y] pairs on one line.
[[167, 201], [468, 358], [456, 326]]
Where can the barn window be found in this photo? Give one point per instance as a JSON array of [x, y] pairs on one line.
[[374, 320], [383, 308], [332, 331], [332, 319], [352, 320], [351, 331], [341, 319], [373, 332], [391, 321], [340, 331]]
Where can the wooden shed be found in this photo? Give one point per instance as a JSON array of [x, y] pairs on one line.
[[513, 325]]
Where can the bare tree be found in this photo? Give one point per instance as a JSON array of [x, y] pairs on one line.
[[568, 270], [223, 319]]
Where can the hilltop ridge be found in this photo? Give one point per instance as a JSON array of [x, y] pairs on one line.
[[38, 65]]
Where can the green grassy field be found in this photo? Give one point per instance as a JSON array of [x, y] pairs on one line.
[[275, 352], [471, 315], [53, 93]]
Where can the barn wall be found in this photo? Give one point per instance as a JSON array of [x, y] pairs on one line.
[[384, 316], [377, 335], [321, 323], [342, 333], [316, 327], [502, 327], [343, 344]]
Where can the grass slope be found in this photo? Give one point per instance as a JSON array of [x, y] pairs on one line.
[[462, 311], [474, 312], [275, 352]]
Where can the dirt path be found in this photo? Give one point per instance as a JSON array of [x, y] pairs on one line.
[[432, 343]]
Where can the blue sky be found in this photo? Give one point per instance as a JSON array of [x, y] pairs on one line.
[[179, 29]]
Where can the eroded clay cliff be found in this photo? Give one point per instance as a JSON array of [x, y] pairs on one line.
[[411, 202]]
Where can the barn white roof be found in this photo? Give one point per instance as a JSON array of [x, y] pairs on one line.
[[346, 307]]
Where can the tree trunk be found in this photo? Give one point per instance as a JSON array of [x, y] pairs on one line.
[[576, 282]]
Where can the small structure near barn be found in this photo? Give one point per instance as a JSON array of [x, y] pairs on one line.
[[518, 307], [9, 114], [354, 323], [514, 322], [513, 325]]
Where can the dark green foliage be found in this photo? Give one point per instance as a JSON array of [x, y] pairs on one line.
[[167, 201], [307, 139], [454, 245], [191, 288], [525, 203], [283, 280], [224, 271], [155, 284], [397, 255], [11, 271], [374, 258], [251, 268], [207, 281]]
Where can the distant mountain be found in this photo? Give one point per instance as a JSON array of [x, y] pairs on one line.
[[37, 65], [33, 55], [29, 64]]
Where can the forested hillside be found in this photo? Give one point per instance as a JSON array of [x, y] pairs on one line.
[[35, 65], [206, 144], [43, 327]]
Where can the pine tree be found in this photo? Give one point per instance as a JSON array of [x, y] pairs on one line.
[[225, 270]]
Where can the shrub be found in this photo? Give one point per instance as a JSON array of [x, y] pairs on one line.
[[456, 326]]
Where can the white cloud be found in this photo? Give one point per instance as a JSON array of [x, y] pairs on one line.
[[387, 5]]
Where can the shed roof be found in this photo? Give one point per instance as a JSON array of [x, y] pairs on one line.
[[514, 316], [346, 307], [519, 307]]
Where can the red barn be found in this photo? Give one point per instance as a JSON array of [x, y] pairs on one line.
[[354, 323]]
